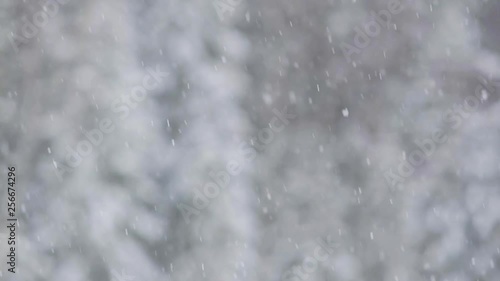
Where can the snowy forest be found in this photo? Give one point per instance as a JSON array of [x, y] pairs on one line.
[[231, 140]]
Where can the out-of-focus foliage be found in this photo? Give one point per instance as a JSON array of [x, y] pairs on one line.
[[118, 215]]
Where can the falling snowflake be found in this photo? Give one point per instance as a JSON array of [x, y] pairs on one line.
[[345, 112]]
